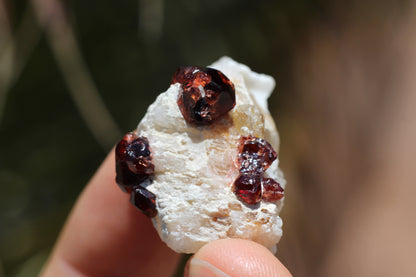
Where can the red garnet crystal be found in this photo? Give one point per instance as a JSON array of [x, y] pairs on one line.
[[144, 200], [255, 155], [206, 95], [248, 188], [133, 161], [133, 167], [272, 191]]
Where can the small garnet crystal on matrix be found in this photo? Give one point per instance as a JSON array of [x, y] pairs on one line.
[[207, 94], [248, 188], [133, 168], [255, 155], [203, 163]]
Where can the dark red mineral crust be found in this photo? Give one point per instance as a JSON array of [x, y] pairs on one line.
[[206, 95]]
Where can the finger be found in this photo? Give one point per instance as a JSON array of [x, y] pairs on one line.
[[235, 257], [105, 235]]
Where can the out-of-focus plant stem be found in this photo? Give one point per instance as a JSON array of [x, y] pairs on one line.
[[6, 56], [15, 49], [60, 34]]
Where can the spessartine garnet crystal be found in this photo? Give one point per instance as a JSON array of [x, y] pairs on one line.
[[254, 156], [248, 188], [134, 168], [272, 191], [144, 200], [206, 94]]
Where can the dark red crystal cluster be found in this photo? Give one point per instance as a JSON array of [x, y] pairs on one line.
[[255, 155], [206, 95], [134, 167]]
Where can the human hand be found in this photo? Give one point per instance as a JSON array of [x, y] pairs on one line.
[[106, 236]]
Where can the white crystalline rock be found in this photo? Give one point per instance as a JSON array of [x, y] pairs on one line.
[[194, 167]]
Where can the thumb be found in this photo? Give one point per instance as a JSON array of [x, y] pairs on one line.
[[234, 257]]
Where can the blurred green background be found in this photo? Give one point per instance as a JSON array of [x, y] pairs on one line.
[[76, 75]]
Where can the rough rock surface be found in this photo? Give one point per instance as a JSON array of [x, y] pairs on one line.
[[195, 167]]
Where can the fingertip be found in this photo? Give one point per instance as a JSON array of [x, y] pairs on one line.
[[235, 257], [107, 236]]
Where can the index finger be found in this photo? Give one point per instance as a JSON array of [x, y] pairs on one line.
[[107, 236]]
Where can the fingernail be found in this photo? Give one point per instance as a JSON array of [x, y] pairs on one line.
[[201, 268]]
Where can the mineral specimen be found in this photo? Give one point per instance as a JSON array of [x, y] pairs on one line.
[[214, 148]]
